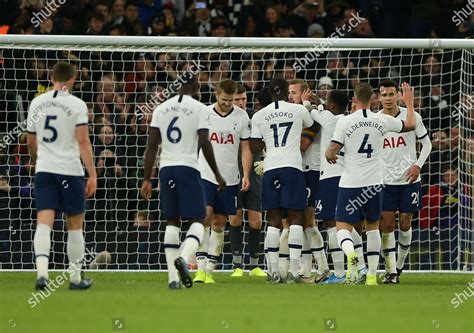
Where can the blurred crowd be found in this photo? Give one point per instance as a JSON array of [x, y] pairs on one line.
[[249, 18]]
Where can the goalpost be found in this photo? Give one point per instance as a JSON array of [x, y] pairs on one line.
[[123, 78]]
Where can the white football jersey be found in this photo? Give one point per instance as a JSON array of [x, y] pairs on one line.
[[399, 150], [225, 133], [280, 125], [53, 116], [361, 134], [328, 122], [312, 155], [179, 119]]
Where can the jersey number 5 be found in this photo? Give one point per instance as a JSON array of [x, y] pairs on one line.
[[47, 126], [285, 135], [366, 148], [173, 133]]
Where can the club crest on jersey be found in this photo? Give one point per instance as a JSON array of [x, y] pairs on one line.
[[390, 142], [222, 138]]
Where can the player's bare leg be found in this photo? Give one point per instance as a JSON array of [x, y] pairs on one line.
[[404, 240], [316, 243], [42, 246], [76, 251], [201, 254], [295, 243], [373, 250], [216, 243], [346, 243], [387, 227], [284, 252], [272, 242]]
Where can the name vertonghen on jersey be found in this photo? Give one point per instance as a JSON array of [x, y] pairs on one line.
[[48, 104]]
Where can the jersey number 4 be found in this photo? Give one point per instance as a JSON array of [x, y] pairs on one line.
[[366, 148], [285, 135]]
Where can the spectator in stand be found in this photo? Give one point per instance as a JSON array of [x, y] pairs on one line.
[[197, 21], [219, 27], [325, 85], [272, 20], [251, 27], [148, 9], [131, 22], [305, 14], [315, 30], [96, 24], [118, 12], [440, 213]]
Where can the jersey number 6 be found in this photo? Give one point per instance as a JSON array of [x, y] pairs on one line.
[[173, 133]]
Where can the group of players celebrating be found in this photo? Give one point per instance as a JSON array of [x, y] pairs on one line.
[[346, 170]]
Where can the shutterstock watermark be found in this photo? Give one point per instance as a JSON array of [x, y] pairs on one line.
[[467, 293], [37, 297], [20, 129], [172, 89], [371, 191], [49, 9], [462, 15], [325, 45]]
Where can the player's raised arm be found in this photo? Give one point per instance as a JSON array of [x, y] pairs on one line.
[[154, 141], [206, 147], [407, 97], [85, 148]]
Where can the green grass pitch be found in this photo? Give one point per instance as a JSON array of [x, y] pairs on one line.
[[141, 302]]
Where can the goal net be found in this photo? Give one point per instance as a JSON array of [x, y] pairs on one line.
[[123, 82]]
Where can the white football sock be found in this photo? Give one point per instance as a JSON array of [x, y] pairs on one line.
[[216, 243], [193, 239], [316, 243], [75, 253], [337, 254], [284, 254], [388, 251], [404, 242], [272, 239], [344, 239], [373, 250], [42, 244], [201, 254], [306, 259], [171, 245], [295, 244], [359, 248]]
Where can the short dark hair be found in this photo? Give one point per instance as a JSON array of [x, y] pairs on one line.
[[97, 16], [227, 86], [363, 92], [190, 86], [388, 83], [241, 89], [63, 72], [339, 98], [263, 97], [278, 89]]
